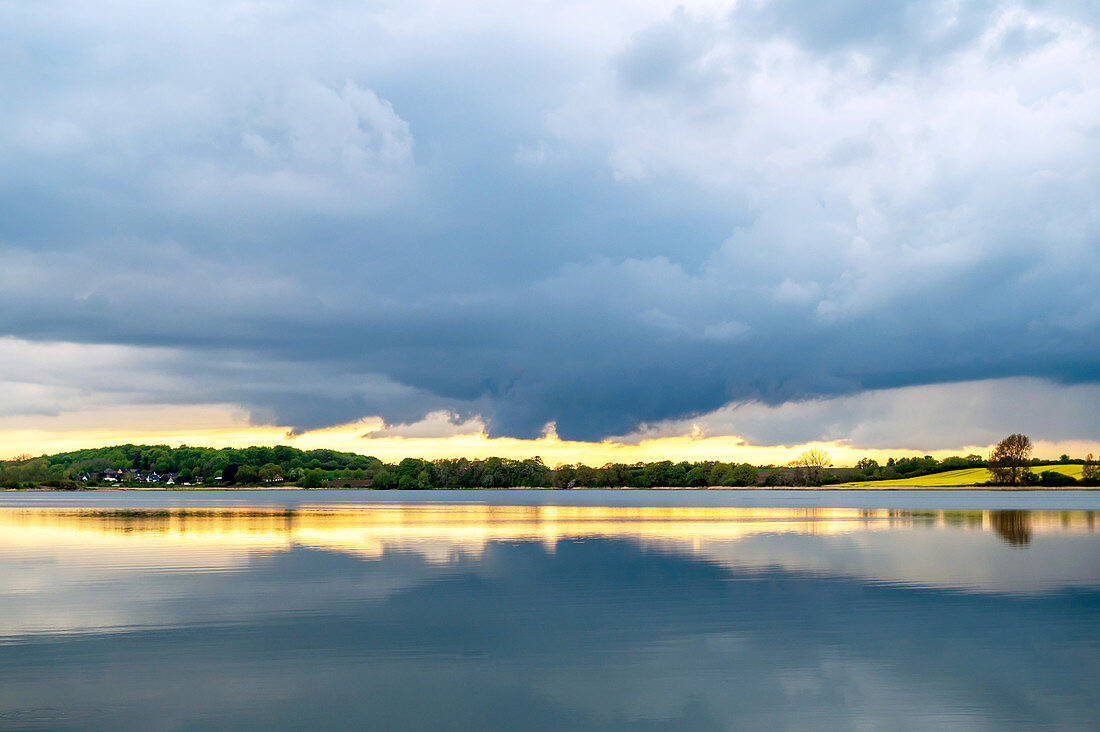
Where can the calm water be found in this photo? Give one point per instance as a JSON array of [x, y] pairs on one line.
[[550, 610]]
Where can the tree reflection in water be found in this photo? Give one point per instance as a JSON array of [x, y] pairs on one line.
[[1013, 526]]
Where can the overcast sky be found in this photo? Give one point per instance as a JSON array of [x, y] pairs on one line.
[[619, 218]]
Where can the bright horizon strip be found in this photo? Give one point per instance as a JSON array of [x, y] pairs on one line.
[[224, 427]]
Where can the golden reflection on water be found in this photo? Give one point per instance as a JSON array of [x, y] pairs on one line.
[[368, 531], [48, 551]]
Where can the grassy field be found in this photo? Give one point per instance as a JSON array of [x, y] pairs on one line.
[[970, 476]]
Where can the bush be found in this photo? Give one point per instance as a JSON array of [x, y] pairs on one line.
[[1053, 477], [62, 484]]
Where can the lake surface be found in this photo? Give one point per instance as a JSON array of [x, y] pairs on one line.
[[505, 610]]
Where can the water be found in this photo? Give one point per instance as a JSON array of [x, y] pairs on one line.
[[550, 610]]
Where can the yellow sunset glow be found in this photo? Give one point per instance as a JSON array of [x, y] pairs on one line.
[[226, 426]]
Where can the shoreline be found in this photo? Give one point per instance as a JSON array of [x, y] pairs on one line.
[[841, 488], [822, 498]]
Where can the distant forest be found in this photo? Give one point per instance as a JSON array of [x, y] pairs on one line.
[[206, 466]]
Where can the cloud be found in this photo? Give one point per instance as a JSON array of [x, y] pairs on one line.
[[304, 146], [666, 56], [926, 418], [909, 30], [54, 377], [434, 424], [330, 213]]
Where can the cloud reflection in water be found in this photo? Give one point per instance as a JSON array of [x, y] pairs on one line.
[[548, 617]]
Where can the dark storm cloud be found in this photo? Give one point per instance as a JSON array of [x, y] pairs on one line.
[[343, 212]]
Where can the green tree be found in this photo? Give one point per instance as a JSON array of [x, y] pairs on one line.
[[1009, 460], [565, 477], [867, 466], [270, 471], [1090, 471], [246, 475], [657, 474], [384, 480], [615, 475], [314, 478], [409, 467], [743, 474]]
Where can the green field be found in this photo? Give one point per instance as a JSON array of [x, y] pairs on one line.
[[969, 476]]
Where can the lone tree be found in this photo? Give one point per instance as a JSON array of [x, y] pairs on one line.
[[1090, 471], [809, 467], [1009, 460]]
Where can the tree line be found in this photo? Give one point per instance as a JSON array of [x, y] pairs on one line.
[[318, 468], [1010, 463]]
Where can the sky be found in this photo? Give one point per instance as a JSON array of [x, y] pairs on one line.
[[622, 230]]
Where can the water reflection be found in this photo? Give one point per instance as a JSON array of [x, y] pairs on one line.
[[1013, 526], [504, 617], [545, 523]]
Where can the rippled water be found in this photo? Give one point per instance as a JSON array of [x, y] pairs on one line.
[[446, 611]]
